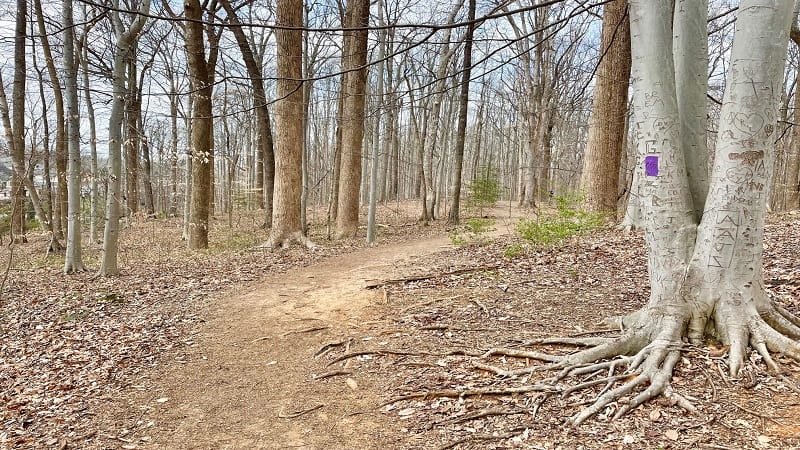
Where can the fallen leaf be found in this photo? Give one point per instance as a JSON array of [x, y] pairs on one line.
[[163, 400], [351, 383], [671, 435], [655, 415]]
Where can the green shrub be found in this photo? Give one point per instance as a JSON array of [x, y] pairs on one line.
[[483, 192], [513, 250], [472, 231], [567, 220]]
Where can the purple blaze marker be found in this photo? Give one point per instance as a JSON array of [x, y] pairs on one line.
[[651, 165]]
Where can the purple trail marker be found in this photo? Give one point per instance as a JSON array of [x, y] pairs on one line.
[[651, 165]]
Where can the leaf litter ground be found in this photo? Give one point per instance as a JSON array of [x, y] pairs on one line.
[[190, 351]]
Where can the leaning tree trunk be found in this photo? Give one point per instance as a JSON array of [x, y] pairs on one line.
[[286, 224], [59, 205], [73, 261], [265, 160], [354, 59]]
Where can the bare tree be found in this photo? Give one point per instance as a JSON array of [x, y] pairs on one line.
[[124, 41], [354, 59], [201, 139], [706, 277], [286, 224], [601, 161], [73, 261], [461, 129]]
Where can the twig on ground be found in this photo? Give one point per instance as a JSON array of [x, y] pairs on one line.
[[429, 302], [479, 437], [332, 373], [299, 413], [485, 413], [374, 284], [755, 413], [455, 393], [305, 330], [328, 347], [379, 352]]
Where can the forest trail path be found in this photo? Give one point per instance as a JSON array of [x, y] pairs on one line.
[[252, 361]]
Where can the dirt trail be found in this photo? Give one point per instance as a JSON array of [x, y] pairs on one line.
[[251, 362]]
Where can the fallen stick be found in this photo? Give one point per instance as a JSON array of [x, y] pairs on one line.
[[381, 283], [299, 413]]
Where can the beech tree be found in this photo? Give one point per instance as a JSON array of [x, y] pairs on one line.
[[706, 275], [124, 42], [73, 261]]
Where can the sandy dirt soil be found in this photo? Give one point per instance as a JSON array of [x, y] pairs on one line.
[[247, 379]]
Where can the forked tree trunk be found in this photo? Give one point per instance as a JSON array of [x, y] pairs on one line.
[[706, 280], [124, 40], [286, 224]]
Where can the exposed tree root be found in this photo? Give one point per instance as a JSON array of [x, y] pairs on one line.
[[278, 240], [481, 437], [638, 365], [460, 393]]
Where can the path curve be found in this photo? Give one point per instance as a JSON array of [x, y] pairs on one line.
[[251, 362]]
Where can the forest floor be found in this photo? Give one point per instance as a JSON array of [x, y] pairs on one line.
[[336, 348]]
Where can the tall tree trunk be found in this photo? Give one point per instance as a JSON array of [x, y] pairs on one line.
[[124, 41], [60, 204], [73, 261], [286, 225], [265, 160], [90, 116], [202, 164], [376, 134], [147, 182], [354, 59], [133, 112], [690, 48], [600, 174], [17, 142], [461, 128]]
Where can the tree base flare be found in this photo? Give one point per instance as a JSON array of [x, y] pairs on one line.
[[287, 239], [638, 365]]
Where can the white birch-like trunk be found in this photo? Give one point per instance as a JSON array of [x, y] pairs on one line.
[[108, 265], [72, 259], [706, 279]]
